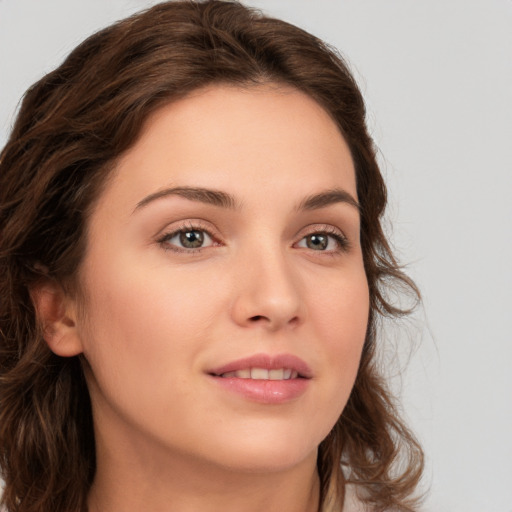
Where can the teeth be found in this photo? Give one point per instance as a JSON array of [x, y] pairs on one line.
[[262, 374], [276, 374], [259, 373]]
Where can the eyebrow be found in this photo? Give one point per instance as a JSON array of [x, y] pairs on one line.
[[225, 200], [327, 198], [203, 195]]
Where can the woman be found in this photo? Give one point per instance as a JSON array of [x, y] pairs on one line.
[[193, 269]]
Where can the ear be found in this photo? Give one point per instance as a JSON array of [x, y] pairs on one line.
[[56, 313]]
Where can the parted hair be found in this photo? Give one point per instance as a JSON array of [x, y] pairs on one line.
[[72, 126]]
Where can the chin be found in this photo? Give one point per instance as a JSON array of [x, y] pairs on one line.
[[269, 462], [268, 453]]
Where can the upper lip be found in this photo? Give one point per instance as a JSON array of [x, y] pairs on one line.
[[268, 362]]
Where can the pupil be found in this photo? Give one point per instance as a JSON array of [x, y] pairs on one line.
[[317, 242], [191, 239]]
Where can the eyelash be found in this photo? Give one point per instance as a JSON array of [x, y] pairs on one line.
[[340, 239], [184, 228]]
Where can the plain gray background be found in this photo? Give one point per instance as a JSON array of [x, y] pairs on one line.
[[437, 77]]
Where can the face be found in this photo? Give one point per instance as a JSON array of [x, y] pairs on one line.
[[226, 302]]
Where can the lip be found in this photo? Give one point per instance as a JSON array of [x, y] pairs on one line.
[[267, 362], [265, 391]]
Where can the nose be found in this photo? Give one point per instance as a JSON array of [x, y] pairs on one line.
[[267, 292]]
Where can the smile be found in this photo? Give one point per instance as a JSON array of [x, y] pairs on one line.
[[264, 367], [264, 378], [263, 374]]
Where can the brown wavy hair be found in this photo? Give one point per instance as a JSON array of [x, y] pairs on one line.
[[72, 126]]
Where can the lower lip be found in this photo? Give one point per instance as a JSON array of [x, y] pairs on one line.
[[265, 391]]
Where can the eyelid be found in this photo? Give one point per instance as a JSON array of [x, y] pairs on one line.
[[174, 229], [188, 225], [329, 230]]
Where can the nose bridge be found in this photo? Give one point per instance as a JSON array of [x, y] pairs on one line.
[[268, 290]]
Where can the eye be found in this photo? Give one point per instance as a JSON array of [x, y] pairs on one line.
[[321, 241], [187, 239]]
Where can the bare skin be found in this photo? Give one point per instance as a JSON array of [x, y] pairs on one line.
[[184, 488], [230, 230]]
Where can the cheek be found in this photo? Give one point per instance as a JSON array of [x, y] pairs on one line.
[[340, 310], [142, 335], [341, 319], [142, 323], [138, 300]]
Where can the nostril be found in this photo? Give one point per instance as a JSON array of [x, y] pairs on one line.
[[265, 319]]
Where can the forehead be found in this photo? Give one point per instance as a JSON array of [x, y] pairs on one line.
[[238, 138]]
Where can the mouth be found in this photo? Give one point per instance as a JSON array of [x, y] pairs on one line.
[[265, 367], [265, 379], [261, 374]]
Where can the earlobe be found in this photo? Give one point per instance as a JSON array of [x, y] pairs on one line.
[[56, 313]]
